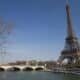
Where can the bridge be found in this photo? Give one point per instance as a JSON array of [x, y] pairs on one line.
[[22, 68]]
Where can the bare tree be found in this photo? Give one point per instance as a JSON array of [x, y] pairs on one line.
[[5, 30]]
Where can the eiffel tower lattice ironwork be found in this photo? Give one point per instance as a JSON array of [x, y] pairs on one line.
[[71, 51]]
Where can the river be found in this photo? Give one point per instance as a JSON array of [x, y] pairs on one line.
[[37, 76]]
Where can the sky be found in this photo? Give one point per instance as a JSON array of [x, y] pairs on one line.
[[40, 28]]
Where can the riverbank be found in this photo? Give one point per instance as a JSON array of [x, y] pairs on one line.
[[67, 72]]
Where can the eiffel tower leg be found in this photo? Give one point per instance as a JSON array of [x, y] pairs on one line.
[[77, 59], [60, 60], [70, 60]]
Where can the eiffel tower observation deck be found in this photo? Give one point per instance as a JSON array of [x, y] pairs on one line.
[[71, 51]]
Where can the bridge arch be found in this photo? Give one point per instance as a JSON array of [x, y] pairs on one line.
[[28, 69], [39, 69], [2, 69], [13, 69]]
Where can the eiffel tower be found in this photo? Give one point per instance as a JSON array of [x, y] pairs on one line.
[[71, 51]]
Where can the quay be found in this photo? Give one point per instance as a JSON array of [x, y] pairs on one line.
[[75, 71]]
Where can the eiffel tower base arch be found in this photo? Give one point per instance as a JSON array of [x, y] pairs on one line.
[[70, 59]]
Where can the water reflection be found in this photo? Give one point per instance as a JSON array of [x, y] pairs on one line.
[[71, 77], [36, 75]]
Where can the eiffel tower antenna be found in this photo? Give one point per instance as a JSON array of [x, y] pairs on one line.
[[67, 1], [69, 21]]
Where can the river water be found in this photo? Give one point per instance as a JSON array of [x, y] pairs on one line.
[[37, 76]]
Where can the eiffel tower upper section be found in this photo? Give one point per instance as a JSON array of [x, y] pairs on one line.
[[71, 40]]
